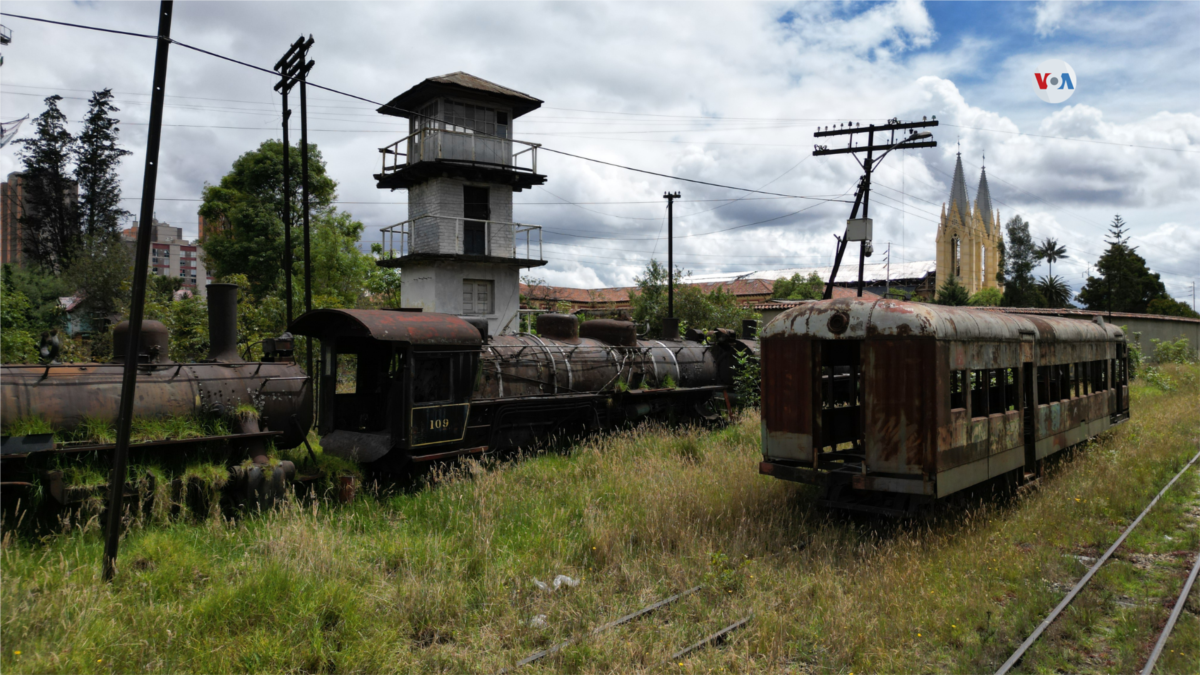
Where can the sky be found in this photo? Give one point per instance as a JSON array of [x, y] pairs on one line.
[[728, 93]]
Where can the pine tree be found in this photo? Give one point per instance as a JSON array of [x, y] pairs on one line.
[[1125, 283], [952, 293], [50, 221], [97, 156]]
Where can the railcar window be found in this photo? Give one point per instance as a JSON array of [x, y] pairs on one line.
[[958, 389], [1043, 385], [979, 397], [996, 391], [431, 379], [1010, 389]]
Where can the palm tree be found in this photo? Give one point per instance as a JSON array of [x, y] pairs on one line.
[[1055, 291], [1050, 251]]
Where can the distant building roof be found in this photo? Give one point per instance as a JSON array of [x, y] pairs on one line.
[[405, 104], [838, 293], [873, 272], [70, 303]]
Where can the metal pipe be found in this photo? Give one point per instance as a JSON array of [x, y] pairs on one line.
[[141, 261]]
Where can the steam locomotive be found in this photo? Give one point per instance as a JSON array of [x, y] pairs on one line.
[[399, 387], [395, 387]]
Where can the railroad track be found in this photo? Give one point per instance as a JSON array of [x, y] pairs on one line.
[[1066, 601], [714, 639]]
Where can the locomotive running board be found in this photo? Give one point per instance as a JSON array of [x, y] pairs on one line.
[[449, 454]]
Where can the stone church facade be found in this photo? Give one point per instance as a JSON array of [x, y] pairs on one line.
[[968, 239]]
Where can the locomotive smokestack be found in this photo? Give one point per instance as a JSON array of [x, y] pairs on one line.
[[222, 323]]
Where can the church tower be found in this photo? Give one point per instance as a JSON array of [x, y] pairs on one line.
[[459, 251], [968, 239]]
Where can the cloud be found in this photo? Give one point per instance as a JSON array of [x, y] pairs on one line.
[[1049, 15], [726, 93]]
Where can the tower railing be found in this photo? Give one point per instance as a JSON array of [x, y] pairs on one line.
[[446, 235], [431, 144]]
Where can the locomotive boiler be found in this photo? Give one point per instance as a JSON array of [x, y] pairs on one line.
[[398, 387], [268, 400]]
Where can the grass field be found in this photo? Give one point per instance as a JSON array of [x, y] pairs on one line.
[[440, 579]]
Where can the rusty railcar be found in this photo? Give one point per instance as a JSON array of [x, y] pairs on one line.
[[921, 401], [398, 387]]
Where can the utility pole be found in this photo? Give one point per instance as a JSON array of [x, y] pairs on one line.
[[293, 68], [116, 479], [1193, 296], [287, 68], [859, 229], [673, 331]]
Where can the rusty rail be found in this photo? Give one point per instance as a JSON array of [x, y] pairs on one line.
[[1037, 633]]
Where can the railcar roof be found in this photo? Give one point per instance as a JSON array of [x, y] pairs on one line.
[[416, 328], [887, 318]]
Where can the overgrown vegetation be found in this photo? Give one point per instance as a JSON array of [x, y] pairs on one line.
[[440, 579], [693, 306]]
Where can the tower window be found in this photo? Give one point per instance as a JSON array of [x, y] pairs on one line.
[[478, 297]]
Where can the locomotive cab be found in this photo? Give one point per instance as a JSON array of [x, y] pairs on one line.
[[392, 380]]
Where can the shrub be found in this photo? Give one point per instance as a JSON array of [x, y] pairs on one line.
[[1179, 351]]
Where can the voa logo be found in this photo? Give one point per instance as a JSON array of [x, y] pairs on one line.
[[1055, 81]]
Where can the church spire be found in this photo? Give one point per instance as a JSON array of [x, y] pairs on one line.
[[958, 193], [983, 201]]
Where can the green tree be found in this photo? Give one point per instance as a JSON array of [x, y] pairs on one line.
[[799, 288], [101, 270], [17, 341], [986, 297], [43, 290], [1020, 259], [1171, 307], [1050, 251], [648, 302], [383, 283], [245, 211], [952, 293], [1055, 292], [97, 157], [1123, 283], [50, 221], [693, 306]]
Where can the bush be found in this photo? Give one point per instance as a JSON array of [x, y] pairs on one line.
[[746, 379], [1179, 351]]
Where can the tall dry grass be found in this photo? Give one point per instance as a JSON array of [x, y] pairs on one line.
[[440, 579]]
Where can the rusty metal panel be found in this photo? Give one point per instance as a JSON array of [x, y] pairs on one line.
[[787, 396], [1012, 429], [898, 376], [996, 434], [416, 328]]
